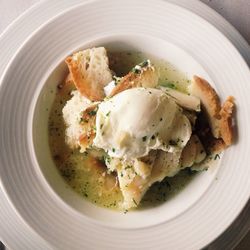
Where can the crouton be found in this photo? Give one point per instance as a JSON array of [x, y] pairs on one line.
[[210, 100], [226, 128], [219, 118], [145, 77], [90, 72]]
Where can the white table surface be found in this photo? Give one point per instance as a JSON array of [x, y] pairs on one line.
[[237, 12]]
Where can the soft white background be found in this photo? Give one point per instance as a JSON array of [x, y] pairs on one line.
[[237, 12]]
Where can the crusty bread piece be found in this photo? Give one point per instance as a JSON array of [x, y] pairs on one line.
[[226, 128], [147, 78], [216, 146], [90, 72], [210, 100], [219, 118]]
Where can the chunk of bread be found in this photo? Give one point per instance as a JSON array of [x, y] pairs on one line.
[[226, 128], [219, 118], [72, 113], [147, 77], [210, 100], [90, 72]]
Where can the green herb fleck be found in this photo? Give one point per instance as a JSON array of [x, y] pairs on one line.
[[116, 79], [169, 85], [217, 156], [144, 63], [108, 113], [113, 149], [136, 70], [135, 202], [92, 113], [144, 138], [107, 159]]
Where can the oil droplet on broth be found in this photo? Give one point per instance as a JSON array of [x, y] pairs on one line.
[[87, 175]]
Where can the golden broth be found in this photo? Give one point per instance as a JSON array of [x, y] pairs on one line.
[[87, 175]]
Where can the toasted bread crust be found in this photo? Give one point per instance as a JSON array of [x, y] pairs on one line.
[[84, 85], [210, 101], [127, 82], [147, 78], [220, 118], [226, 128], [68, 80], [216, 146], [211, 95]]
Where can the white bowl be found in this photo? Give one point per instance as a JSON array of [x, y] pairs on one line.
[[201, 212], [134, 219]]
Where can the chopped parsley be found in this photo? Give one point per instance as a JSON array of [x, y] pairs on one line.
[[135, 202], [144, 138], [92, 112], [116, 79], [191, 172], [136, 69], [217, 156], [153, 137], [169, 85], [145, 63], [107, 159], [108, 113], [113, 149]]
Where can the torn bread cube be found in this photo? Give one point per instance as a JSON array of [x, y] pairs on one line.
[[90, 72], [219, 118], [210, 100], [142, 75], [226, 126]]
